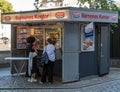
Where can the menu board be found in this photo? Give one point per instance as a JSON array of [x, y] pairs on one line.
[[22, 34]]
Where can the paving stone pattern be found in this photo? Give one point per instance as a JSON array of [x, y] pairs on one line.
[[107, 83]]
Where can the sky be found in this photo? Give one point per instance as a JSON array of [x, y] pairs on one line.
[[24, 5]]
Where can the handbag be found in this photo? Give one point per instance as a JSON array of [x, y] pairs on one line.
[[44, 57]]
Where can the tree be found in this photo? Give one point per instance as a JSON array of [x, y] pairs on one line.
[[99, 4], [5, 6]]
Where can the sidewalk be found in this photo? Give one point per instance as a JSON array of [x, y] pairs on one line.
[[107, 83]]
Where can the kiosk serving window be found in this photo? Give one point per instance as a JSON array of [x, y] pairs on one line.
[[40, 33], [55, 33]]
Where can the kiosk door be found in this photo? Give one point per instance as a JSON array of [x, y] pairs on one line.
[[104, 52], [70, 65]]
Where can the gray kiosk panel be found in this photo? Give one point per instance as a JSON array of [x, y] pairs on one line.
[[104, 57], [70, 52]]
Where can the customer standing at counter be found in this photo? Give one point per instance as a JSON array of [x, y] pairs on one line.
[[48, 69], [32, 68]]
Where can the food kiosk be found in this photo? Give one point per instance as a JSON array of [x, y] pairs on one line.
[[83, 38]]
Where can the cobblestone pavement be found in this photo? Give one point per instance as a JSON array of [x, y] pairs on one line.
[[107, 83]]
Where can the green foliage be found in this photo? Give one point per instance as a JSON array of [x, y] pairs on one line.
[[5, 6], [99, 4], [119, 17]]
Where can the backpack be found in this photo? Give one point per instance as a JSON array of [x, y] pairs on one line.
[[44, 57]]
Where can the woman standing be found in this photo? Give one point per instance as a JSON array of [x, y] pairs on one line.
[[48, 69], [32, 68]]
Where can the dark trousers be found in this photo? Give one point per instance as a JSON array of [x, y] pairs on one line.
[[47, 72], [35, 68]]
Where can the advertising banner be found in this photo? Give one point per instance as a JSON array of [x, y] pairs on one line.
[[87, 37], [94, 16], [36, 16]]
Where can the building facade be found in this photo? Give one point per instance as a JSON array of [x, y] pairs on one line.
[[58, 3]]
